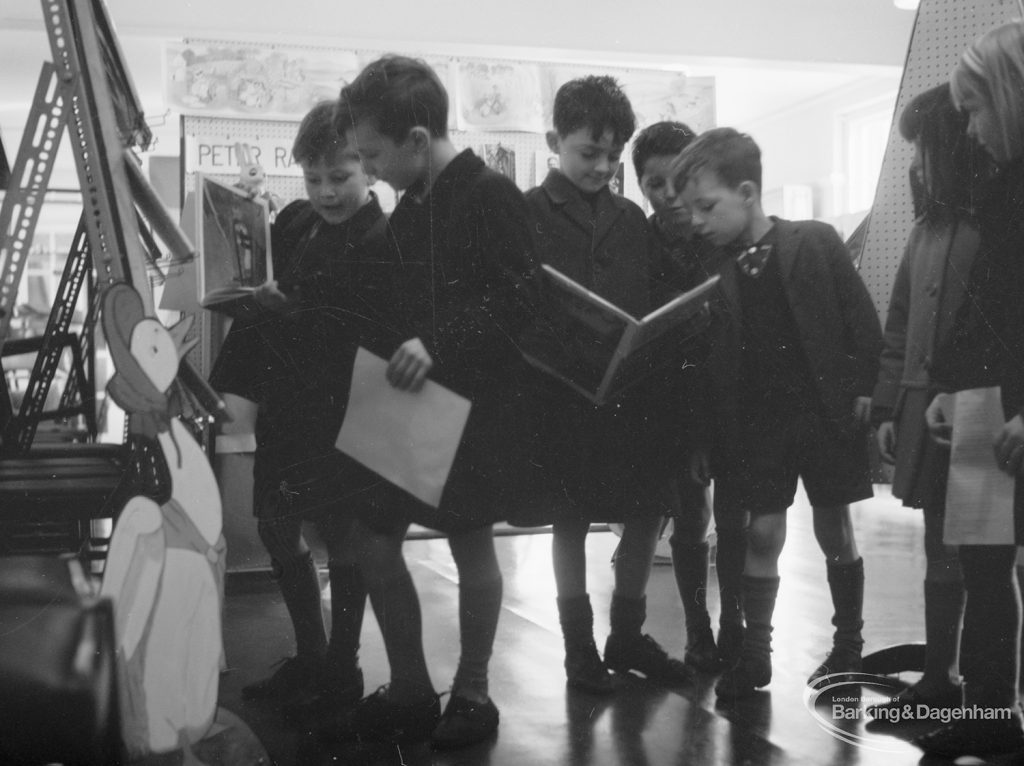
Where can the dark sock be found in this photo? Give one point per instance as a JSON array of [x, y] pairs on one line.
[[397, 608], [348, 603], [846, 583], [577, 620], [627, 615], [759, 595], [991, 625], [300, 588], [730, 557], [479, 609], [943, 616], [690, 565]]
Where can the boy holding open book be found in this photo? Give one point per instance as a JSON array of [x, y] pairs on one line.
[[612, 462], [287, 364]]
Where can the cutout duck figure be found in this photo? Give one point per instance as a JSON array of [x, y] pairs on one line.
[[165, 565]]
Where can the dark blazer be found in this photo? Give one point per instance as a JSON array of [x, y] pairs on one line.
[[837, 323], [611, 462], [466, 290]]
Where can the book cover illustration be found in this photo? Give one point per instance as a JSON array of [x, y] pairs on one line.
[[600, 350], [233, 232]]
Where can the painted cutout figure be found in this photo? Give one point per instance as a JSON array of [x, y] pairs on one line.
[[165, 565]]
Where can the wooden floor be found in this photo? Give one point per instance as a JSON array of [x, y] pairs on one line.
[[641, 725]]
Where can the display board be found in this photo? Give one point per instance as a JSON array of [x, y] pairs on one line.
[[942, 30]]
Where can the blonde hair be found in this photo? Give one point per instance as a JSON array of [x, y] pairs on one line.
[[992, 68]]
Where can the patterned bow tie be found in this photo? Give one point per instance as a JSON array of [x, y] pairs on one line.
[[751, 260]]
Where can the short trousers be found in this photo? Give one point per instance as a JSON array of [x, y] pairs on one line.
[[762, 472]]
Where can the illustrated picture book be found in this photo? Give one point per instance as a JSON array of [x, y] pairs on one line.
[[232, 230], [600, 350]]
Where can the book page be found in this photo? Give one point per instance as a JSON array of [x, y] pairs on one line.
[[979, 497], [234, 241], [662, 337], [581, 334], [408, 438]]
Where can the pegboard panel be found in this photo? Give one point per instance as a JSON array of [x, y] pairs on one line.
[[942, 30]]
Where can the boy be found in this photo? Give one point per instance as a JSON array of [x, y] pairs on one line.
[[692, 261], [610, 463], [465, 290], [794, 354], [288, 366]]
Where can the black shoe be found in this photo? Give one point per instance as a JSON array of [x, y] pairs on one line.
[[585, 671], [378, 718], [891, 711], [332, 697], [730, 643], [974, 737], [744, 678], [623, 653], [294, 677], [701, 652], [839, 662], [465, 723]]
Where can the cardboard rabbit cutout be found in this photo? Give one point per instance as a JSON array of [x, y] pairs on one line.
[[252, 177], [165, 565]]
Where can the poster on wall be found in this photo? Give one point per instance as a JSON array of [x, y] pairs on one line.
[[501, 158], [658, 95], [255, 81], [496, 96]]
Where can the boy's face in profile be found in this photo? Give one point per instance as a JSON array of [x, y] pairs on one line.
[[656, 182], [721, 214], [398, 164], [336, 186], [590, 163]]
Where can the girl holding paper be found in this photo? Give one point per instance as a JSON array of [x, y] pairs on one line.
[[986, 350], [928, 289]]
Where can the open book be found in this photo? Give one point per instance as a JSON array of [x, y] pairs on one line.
[[232, 233], [600, 350]]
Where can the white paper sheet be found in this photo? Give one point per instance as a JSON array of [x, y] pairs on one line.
[[408, 438], [979, 497]]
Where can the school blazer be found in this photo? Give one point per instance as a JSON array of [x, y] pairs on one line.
[[607, 249], [837, 324]]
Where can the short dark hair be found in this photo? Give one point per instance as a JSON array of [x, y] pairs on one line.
[[396, 94], [732, 156], [658, 140], [318, 137], [952, 161], [597, 103]]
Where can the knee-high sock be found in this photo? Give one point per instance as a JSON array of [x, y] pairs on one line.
[[348, 603], [300, 588], [991, 625], [479, 609], [690, 565], [397, 608], [730, 557]]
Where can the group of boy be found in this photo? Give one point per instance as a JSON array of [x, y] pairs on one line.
[[780, 393]]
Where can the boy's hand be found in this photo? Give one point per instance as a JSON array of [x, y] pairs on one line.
[[269, 296], [409, 366], [862, 410], [940, 430], [700, 468], [886, 437], [1009, 447]]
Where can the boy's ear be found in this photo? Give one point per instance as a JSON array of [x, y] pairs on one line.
[[552, 138], [750, 191], [420, 138]]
